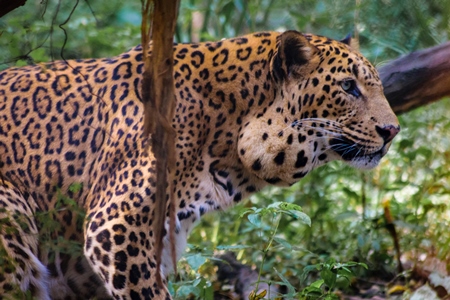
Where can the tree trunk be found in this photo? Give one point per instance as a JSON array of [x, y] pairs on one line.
[[158, 95], [9, 5], [418, 78]]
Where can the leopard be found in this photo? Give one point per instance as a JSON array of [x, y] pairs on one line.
[[261, 109]]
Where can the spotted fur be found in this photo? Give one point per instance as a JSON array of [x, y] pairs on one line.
[[261, 109]]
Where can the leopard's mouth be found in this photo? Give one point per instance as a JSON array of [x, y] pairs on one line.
[[357, 155]]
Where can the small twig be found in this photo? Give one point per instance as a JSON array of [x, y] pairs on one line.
[[265, 251]]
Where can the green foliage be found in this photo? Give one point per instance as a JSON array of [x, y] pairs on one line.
[[49, 30], [199, 288], [274, 213], [50, 228], [50, 238], [195, 272], [254, 214], [265, 222], [331, 273]]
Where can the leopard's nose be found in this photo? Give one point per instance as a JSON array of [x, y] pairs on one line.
[[388, 132]]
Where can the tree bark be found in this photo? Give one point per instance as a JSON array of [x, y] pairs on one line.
[[158, 96], [418, 78], [9, 5]]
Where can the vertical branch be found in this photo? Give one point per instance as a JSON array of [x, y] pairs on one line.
[[159, 106], [208, 8], [146, 25], [390, 226]]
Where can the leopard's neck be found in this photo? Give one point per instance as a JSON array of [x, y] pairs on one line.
[[209, 174]]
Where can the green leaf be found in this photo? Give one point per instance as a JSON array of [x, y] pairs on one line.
[[329, 277], [331, 296], [186, 290], [21, 63], [344, 270], [290, 206], [291, 288], [301, 216], [170, 288], [317, 283], [254, 219], [307, 270], [363, 265], [197, 281], [245, 212], [311, 292], [345, 273], [195, 261], [75, 187], [276, 205], [283, 243], [233, 247]]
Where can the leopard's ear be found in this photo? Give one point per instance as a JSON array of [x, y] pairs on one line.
[[293, 55], [347, 40], [351, 42]]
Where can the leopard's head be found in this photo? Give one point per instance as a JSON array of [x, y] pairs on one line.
[[328, 105]]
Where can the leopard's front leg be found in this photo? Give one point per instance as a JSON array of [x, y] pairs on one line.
[[119, 240]]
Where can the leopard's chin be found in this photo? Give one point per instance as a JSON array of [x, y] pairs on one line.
[[357, 155], [366, 162]]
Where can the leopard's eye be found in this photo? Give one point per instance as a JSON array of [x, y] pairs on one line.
[[349, 86]]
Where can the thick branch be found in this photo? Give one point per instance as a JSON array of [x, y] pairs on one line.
[[418, 78], [159, 106], [9, 5]]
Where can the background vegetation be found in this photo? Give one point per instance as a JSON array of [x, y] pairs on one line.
[[345, 205]]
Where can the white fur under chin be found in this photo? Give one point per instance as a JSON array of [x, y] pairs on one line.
[[365, 163]]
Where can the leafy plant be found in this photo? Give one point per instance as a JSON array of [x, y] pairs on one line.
[[330, 273], [193, 276], [49, 224], [274, 213]]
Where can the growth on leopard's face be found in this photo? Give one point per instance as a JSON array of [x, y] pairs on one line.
[[261, 109]]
